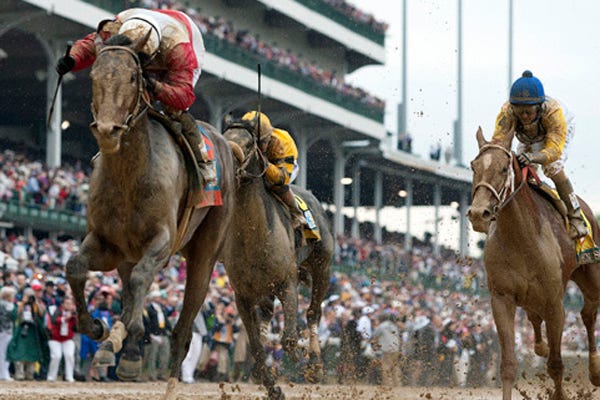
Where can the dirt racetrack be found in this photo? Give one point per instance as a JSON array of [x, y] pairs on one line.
[[227, 391]]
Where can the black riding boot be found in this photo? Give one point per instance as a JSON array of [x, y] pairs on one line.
[[298, 219], [189, 129]]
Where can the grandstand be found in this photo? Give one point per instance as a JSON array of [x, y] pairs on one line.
[[305, 48]]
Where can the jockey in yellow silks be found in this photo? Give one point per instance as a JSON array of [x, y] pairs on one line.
[[544, 129], [279, 148]]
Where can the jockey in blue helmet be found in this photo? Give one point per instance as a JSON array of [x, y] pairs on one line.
[[544, 129]]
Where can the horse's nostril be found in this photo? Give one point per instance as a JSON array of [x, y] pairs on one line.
[[487, 214]]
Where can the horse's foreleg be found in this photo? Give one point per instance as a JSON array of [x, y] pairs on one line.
[[140, 279], [91, 257], [249, 316], [539, 346], [588, 280], [503, 309], [554, 327], [105, 355]]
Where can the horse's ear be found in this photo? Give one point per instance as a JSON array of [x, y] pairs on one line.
[[480, 139], [139, 43], [237, 150]]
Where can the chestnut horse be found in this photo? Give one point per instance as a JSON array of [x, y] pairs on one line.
[[138, 214], [263, 262], [529, 259]]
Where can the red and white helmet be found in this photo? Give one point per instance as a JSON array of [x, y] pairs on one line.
[[137, 27]]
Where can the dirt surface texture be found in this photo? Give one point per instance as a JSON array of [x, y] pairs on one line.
[[32, 390]]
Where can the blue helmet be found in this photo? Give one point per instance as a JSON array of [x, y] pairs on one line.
[[527, 90]]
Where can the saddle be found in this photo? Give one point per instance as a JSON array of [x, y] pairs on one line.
[[586, 249]]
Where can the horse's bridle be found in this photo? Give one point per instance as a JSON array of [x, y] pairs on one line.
[[138, 110], [509, 183], [241, 172]]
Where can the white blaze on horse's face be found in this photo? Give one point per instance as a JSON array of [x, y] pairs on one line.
[[115, 90]]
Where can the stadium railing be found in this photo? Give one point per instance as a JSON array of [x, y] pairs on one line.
[[39, 218], [345, 20]]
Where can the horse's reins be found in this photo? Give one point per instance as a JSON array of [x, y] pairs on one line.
[[132, 117], [241, 172], [509, 183]]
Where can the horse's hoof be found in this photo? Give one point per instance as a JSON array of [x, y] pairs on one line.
[[129, 370], [541, 349], [171, 392], [102, 328], [559, 395], [314, 373], [105, 356], [595, 369], [275, 393]]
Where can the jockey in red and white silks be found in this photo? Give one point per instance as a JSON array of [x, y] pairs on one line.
[[175, 45]]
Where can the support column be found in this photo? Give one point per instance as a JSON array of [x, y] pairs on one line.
[[338, 190], [464, 233], [355, 200], [54, 50], [437, 200], [378, 199], [409, 203], [302, 144]]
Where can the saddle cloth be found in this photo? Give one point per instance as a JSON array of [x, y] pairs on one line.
[[586, 249], [311, 230], [212, 191]]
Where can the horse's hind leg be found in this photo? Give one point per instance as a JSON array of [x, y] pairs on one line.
[[198, 277], [587, 278], [319, 286], [288, 294], [539, 346], [249, 316], [503, 309], [93, 256], [554, 326]]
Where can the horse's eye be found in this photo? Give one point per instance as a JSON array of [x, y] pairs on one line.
[[504, 170], [133, 78]]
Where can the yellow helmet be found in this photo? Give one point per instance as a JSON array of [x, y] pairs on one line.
[[266, 129]]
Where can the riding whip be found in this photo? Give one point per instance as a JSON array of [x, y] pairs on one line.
[[51, 111], [259, 100]]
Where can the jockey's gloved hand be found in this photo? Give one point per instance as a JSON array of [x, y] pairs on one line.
[[530, 158], [524, 159], [65, 64]]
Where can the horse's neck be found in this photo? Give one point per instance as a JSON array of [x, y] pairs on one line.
[[133, 157], [519, 217]]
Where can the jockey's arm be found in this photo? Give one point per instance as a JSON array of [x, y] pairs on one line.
[[176, 89], [278, 174], [556, 135], [84, 51]]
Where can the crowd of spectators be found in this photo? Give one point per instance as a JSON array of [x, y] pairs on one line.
[[358, 14], [286, 58], [426, 331], [32, 183]]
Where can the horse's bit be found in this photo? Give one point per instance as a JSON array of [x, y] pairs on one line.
[[132, 117], [509, 183]]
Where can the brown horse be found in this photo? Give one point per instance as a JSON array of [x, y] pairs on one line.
[[137, 211], [529, 258], [262, 261]]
